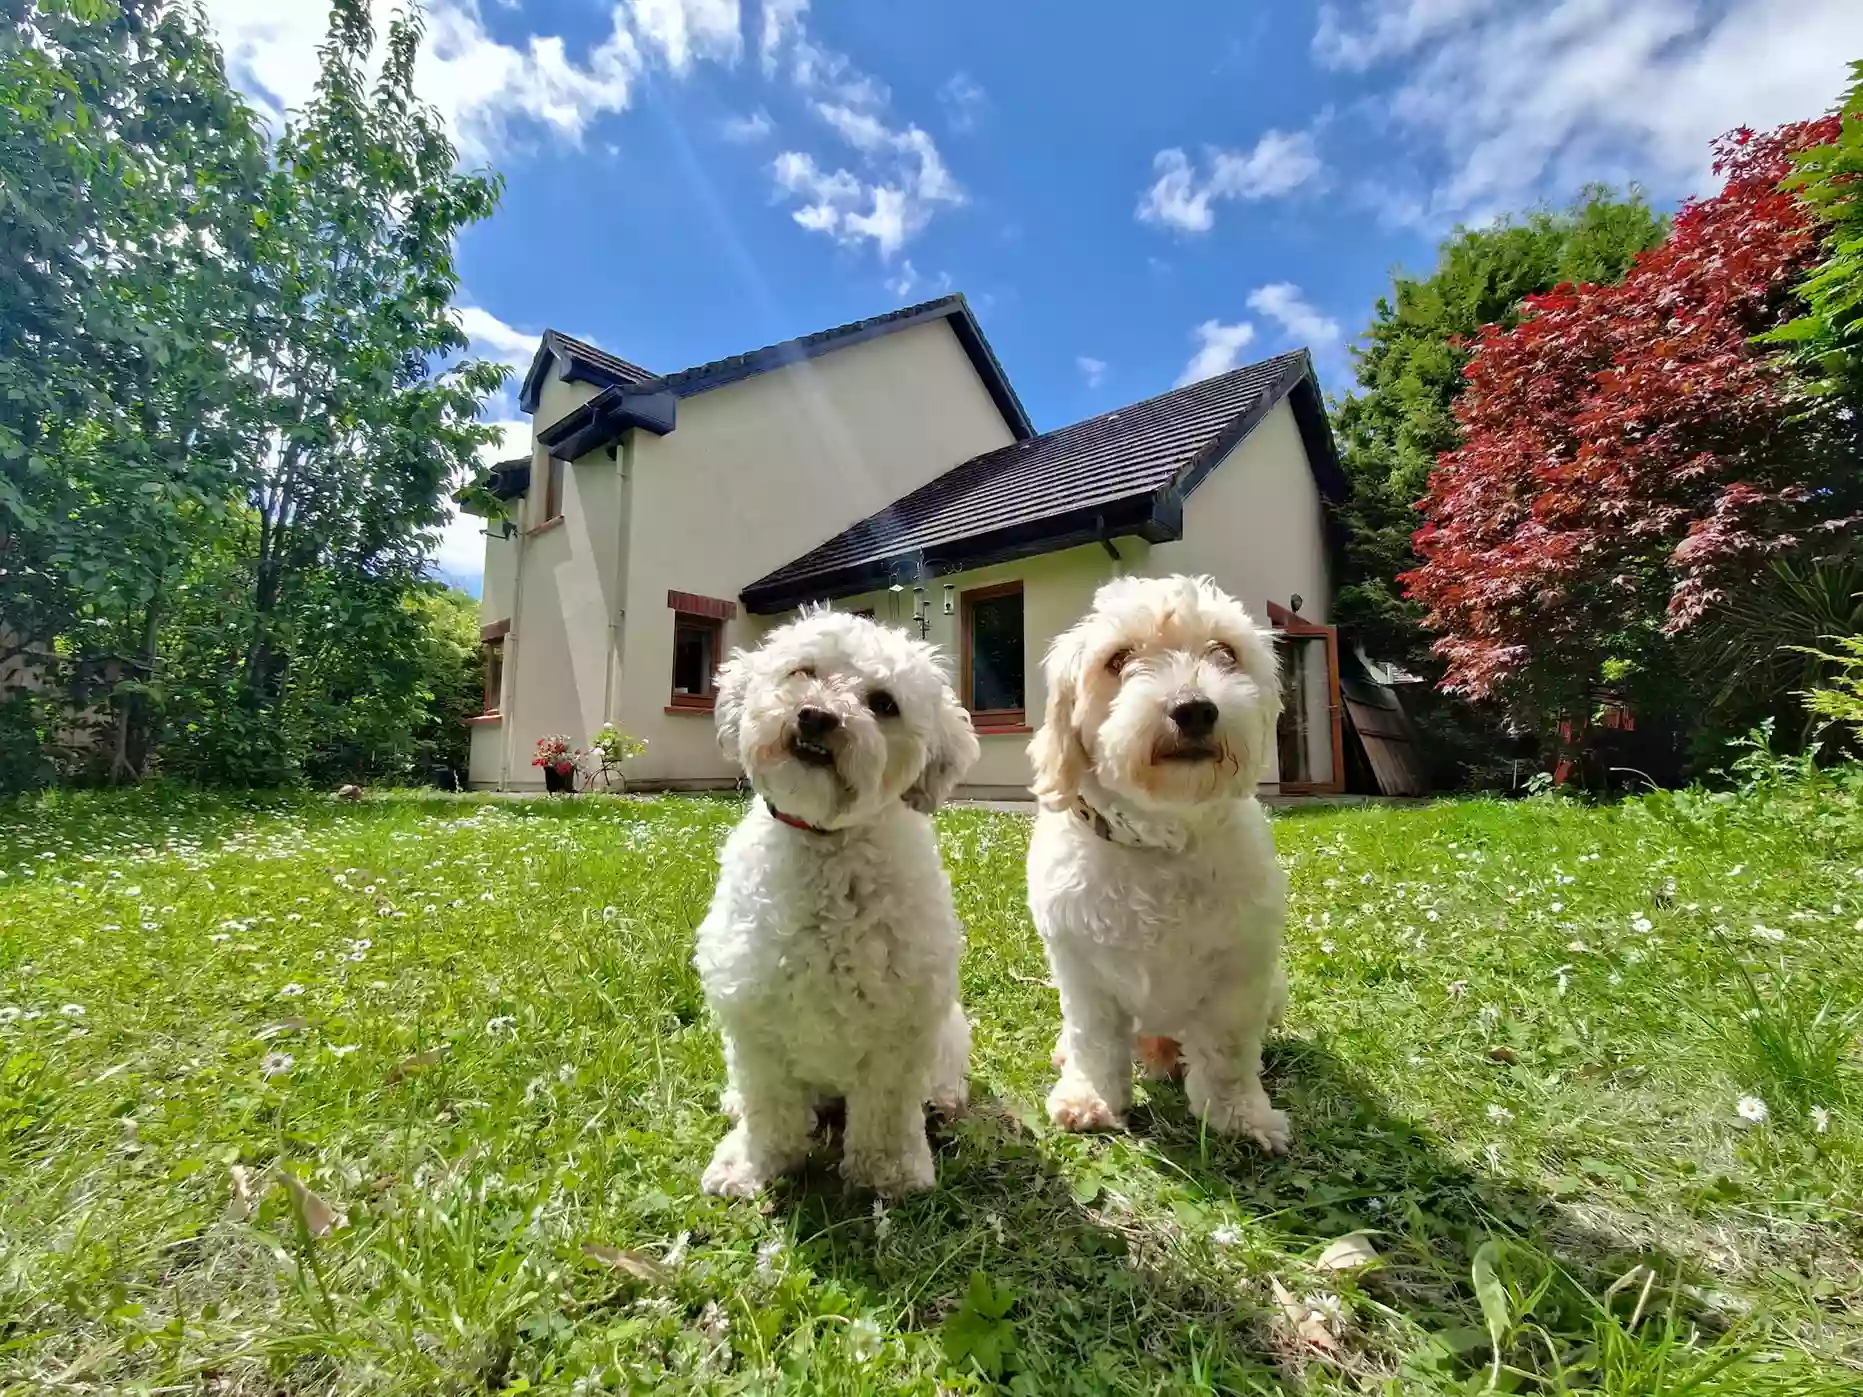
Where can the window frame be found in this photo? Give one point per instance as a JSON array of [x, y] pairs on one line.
[[492, 676], [1293, 625], [990, 719], [714, 626], [555, 483]]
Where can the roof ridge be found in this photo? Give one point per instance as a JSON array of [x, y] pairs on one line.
[[1226, 374], [951, 299]]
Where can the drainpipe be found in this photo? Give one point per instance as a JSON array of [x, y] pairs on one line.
[[617, 613], [514, 650]]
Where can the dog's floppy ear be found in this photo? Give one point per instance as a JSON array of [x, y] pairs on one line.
[[952, 752], [728, 686], [1055, 752]]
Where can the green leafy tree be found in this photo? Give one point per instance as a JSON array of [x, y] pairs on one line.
[[370, 414], [128, 169], [1827, 339], [1401, 417]]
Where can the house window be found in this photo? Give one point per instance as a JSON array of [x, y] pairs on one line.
[[696, 644], [992, 656], [553, 488], [494, 674]]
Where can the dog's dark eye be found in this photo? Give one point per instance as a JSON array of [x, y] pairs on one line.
[[1117, 661], [883, 704], [1223, 654]]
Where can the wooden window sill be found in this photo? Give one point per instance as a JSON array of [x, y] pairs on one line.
[[544, 527], [703, 709], [486, 718], [1000, 729]]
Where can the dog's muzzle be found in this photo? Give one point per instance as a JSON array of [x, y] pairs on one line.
[[815, 727]]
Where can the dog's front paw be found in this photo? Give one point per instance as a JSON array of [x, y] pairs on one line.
[[734, 1172], [1251, 1118], [890, 1175], [1076, 1106]]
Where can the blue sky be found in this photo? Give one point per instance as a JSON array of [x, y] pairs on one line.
[[1129, 195]]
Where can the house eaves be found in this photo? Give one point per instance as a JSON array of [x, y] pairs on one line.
[[628, 401]]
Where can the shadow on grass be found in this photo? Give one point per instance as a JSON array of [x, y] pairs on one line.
[[1105, 1246]]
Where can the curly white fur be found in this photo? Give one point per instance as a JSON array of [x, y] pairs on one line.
[[830, 953], [1151, 871]]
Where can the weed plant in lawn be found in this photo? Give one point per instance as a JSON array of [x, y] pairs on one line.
[[412, 1095]]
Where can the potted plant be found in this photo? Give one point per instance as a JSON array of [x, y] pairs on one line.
[[558, 762], [610, 747]]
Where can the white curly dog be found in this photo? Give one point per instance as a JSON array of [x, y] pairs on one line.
[[1151, 871], [830, 952]]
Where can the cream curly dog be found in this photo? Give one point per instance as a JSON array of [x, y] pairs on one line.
[[830, 952], [1151, 872]]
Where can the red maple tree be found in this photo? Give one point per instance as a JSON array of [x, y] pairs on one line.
[[1629, 455]]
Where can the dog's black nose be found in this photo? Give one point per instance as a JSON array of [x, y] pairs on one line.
[[1195, 717], [817, 723]]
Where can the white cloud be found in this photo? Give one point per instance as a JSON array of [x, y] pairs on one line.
[[781, 26], [748, 130], [1181, 198], [903, 183], [686, 29], [907, 280], [1386, 27], [862, 130], [963, 102], [900, 179], [1217, 347], [482, 87], [1506, 105], [1282, 302], [493, 339], [1091, 369]]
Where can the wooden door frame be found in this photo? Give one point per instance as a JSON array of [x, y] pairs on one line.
[[1292, 623]]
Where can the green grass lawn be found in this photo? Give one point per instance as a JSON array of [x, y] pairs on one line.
[[469, 1035]]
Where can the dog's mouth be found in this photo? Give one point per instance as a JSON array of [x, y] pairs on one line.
[[810, 752], [1190, 752]]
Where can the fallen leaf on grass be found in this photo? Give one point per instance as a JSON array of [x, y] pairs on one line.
[[320, 1219], [420, 1062], [1308, 1319], [1500, 1052], [1348, 1253], [640, 1267], [246, 1193]]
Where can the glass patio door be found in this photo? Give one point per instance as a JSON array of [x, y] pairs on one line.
[[1309, 738]]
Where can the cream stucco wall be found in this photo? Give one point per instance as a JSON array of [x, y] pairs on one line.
[[761, 471], [1255, 524], [755, 474]]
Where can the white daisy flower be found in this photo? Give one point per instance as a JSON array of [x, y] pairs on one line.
[[272, 1064], [864, 1340], [1228, 1235], [1751, 1108], [502, 1023], [1499, 1114], [290, 991], [768, 1255], [1641, 924], [1821, 1119], [72, 1011]]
